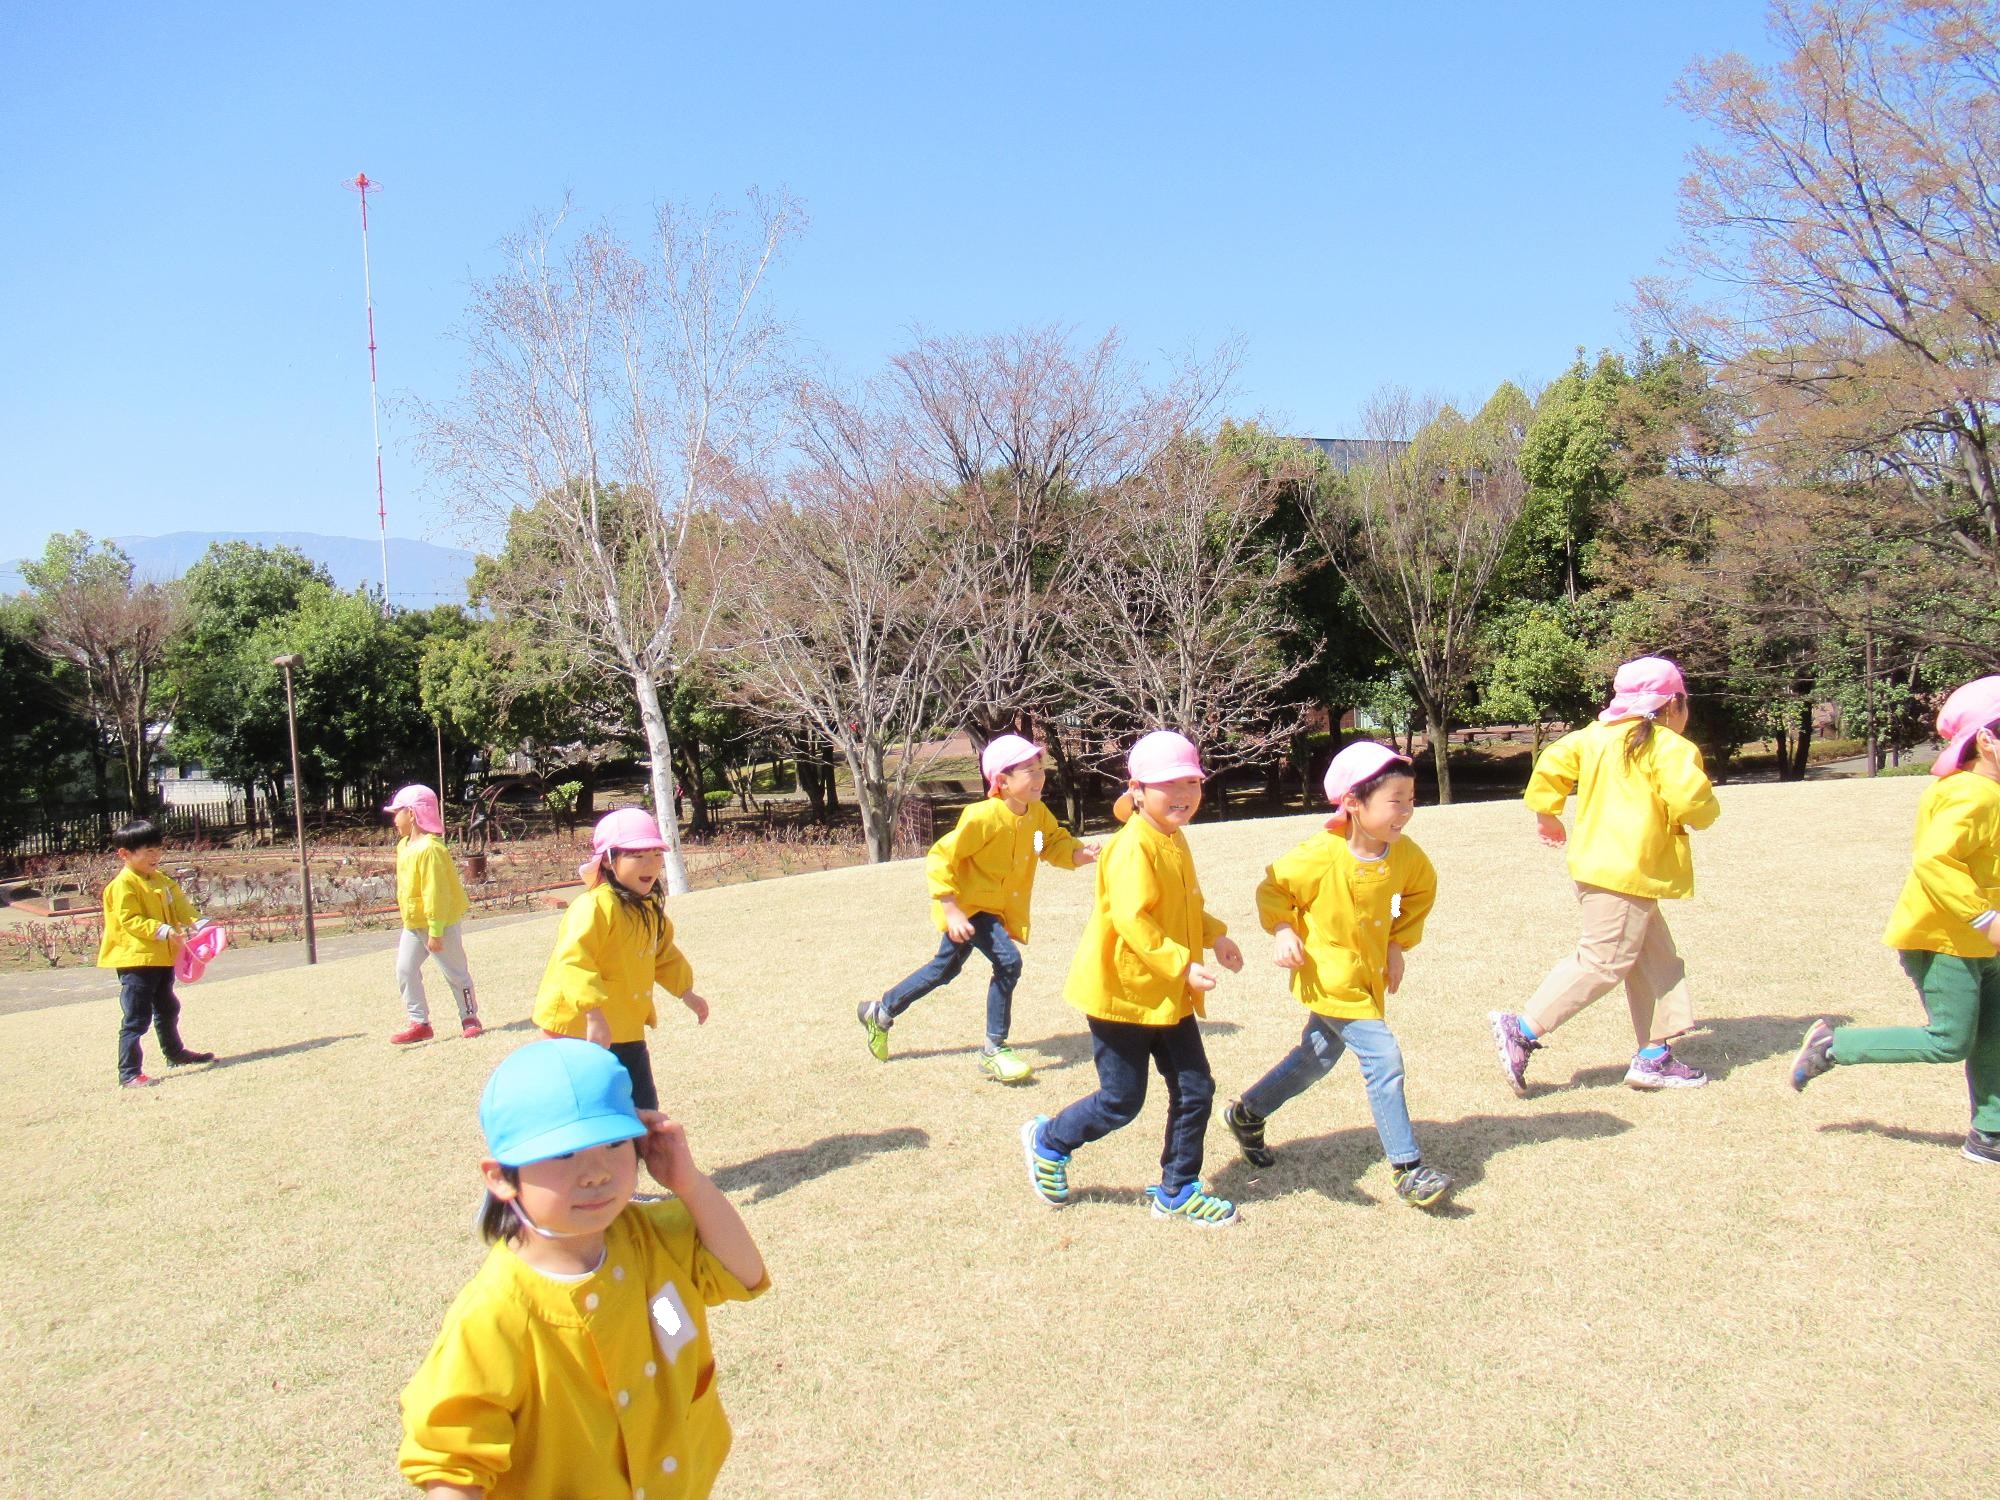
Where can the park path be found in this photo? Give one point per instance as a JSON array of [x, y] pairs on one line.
[[44, 989]]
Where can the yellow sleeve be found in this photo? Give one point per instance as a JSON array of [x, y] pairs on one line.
[[1419, 896], [458, 1410], [1941, 860], [180, 910], [1288, 888], [671, 970], [1212, 927], [1683, 782], [1554, 778], [1059, 846], [435, 881], [573, 982], [673, 1226], [124, 910], [1132, 890], [941, 865]]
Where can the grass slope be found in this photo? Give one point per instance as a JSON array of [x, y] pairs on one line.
[[218, 1287]]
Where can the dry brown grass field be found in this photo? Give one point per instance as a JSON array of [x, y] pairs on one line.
[[218, 1287]]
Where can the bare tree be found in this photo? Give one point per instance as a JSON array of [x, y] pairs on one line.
[[1025, 425], [1417, 531], [113, 634], [610, 394], [1845, 218], [1176, 620], [850, 593]]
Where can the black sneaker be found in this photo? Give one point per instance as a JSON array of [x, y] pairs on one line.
[[1982, 1147], [1248, 1128]]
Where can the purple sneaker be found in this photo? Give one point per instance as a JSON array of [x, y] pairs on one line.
[[1663, 1072], [1513, 1045], [1815, 1056]]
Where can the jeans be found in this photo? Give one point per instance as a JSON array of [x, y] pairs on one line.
[[147, 997], [1374, 1047], [989, 936], [1121, 1050], [410, 955], [1961, 999]]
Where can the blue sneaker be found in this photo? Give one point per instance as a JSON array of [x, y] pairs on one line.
[[1193, 1203], [1048, 1174]]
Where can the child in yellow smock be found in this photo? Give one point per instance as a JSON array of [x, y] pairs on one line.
[[431, 900], [146, 917], [1639, 786], [577, 1361], [1344, 907], [614, 945], [982, 877], [1139, 979], [1943, 926]]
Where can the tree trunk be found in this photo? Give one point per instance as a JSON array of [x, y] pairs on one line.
[[695, 780], [1438, 729], [1802, 742], [812, 783], [1066, 768], [1781, 737], [871, 793], [660, 746]]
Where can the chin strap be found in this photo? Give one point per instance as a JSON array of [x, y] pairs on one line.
[[533, 1228]]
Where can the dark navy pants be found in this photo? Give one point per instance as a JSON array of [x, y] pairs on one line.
[[146, 995], [989, 936], [1122, 1051]]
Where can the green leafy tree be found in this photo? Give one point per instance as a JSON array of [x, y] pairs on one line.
[[1542, 664], [47, 748]]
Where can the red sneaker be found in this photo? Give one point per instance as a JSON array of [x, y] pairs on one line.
[[137, 1081], [472, 1028], [416, 1031]]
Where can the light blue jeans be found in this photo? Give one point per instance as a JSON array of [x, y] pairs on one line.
[[1374, 1047]]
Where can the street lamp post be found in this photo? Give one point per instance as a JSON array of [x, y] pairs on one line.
[[285, 664]]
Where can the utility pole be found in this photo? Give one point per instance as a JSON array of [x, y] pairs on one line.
[[362, 185]]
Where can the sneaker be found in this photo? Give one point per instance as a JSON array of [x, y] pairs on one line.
[[1248, 1128], [1004, 1064], [1195, 1204], [188, 1058], [1982, 1147], [137, 1081], [1663, 1072], [1513, 1044], [1815, 1057], [869, 1014], [1421, 1185], [471, 1028], [416, 1031], [1047, 1175]]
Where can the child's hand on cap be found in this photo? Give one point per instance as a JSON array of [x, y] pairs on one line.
[[665, 1150]]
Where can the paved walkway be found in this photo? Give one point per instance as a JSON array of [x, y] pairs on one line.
[[43, 990]]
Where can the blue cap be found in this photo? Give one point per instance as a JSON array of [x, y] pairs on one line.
[[553, 1097]]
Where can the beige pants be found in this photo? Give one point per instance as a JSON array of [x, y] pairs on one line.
[[1624, 938]]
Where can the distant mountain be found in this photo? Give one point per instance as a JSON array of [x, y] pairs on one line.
[[420, 573]]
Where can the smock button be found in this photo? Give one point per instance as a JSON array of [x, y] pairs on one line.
[[651, 1368], [590, 1302], [617, 1273], [639, 1493], [624, 1398], [668, 1465]]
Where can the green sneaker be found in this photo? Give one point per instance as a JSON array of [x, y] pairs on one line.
[[1048, 1175], [868, 1013], [1421, 1185], [1193, 1203], [1004, 1064]]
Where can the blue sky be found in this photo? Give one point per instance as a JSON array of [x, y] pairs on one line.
[[1441, 197]]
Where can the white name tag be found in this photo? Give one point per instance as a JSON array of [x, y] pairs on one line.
[[1038, 841], [672, 1327]]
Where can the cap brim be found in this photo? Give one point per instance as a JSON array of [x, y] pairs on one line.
[[1953, 753], [572, 1135]]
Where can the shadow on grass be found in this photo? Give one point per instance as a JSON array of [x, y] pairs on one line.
[[1893, 1132], [1717, 1047], [1066, 1049], [1333, 1164], [526, 1023], [775, 1171], [265, 1054]]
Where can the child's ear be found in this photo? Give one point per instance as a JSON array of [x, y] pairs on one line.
[[496, 1180]]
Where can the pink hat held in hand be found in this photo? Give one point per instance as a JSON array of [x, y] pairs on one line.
[[1642, 688], [1005, 753], [1354, 765], [423, 805], [628, 828], [1967, 711], [203, 946]]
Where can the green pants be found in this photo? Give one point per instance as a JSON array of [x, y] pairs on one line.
[[1961, 999]]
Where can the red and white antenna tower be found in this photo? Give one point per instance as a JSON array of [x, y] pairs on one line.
[[363, 186]]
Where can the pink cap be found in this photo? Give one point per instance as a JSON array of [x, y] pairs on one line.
[[1005, 753], [1967, 711], [1642, 688], [1354, 765], [203, 947], [423, 805], [628, 828], [1164, 756]]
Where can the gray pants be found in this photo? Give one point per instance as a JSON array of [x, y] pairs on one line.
[[410, 956]]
